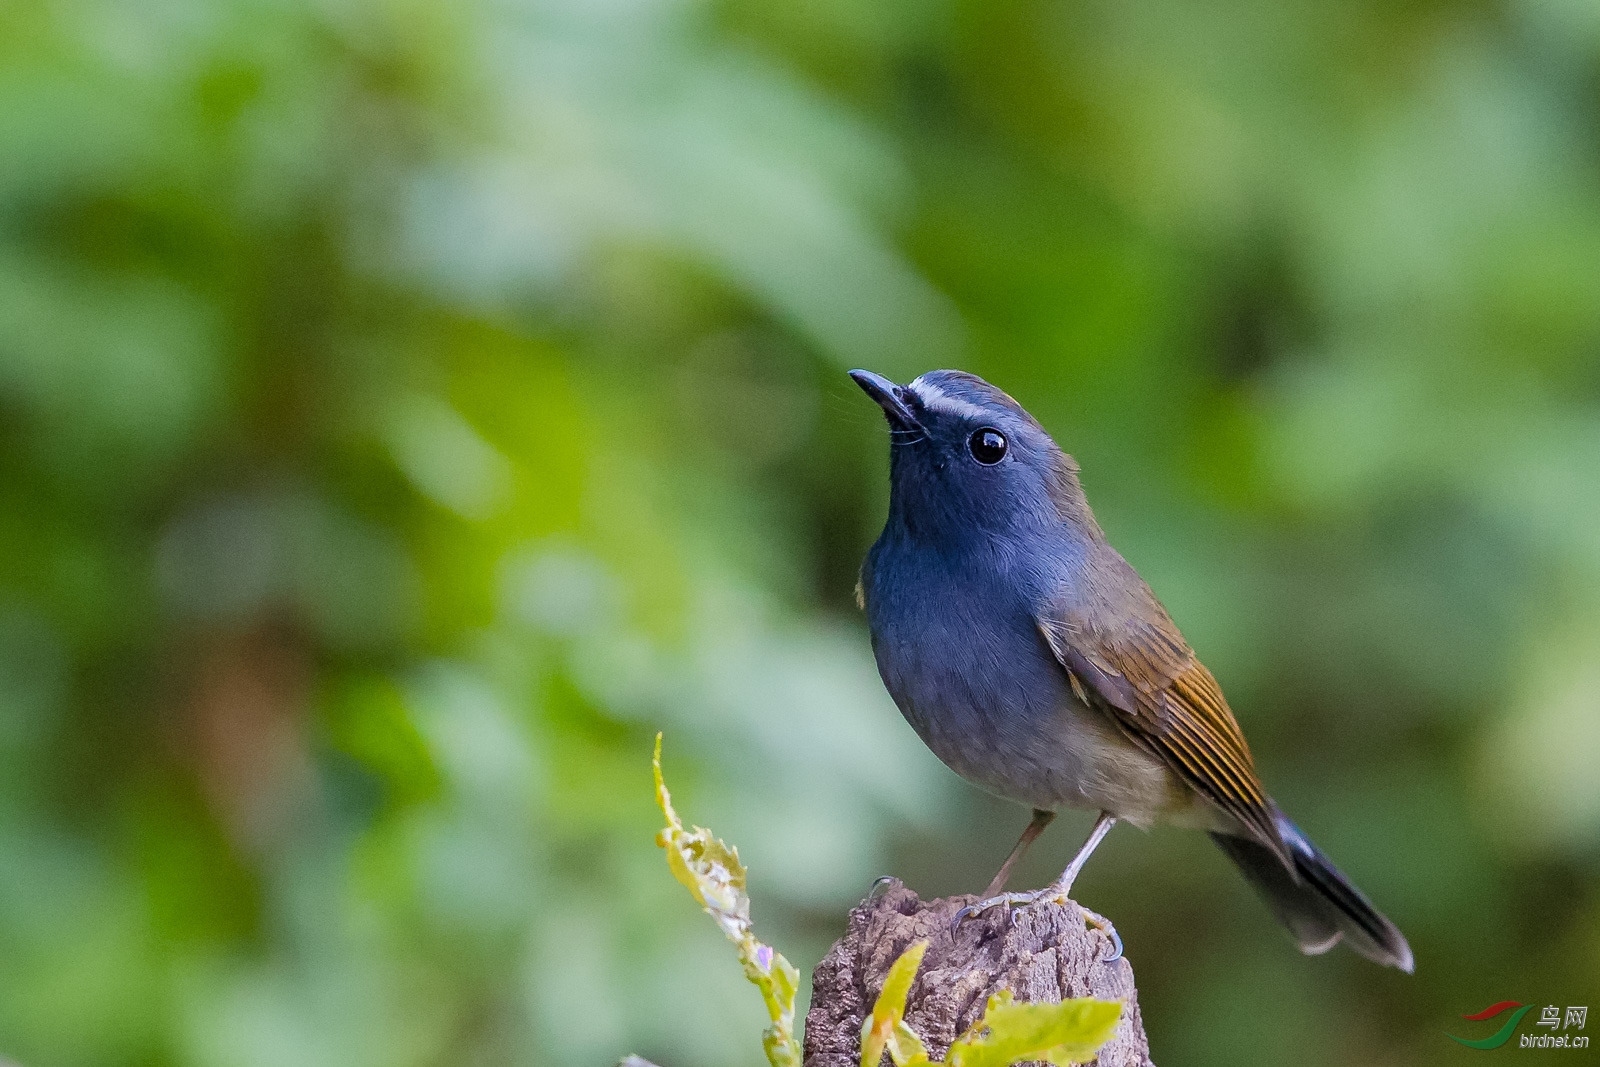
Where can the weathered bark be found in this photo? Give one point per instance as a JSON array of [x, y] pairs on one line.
[[1046, 953]]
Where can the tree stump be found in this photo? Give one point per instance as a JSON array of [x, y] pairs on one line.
[[1046, 953]]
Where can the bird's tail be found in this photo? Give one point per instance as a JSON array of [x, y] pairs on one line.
[[1314, 899]]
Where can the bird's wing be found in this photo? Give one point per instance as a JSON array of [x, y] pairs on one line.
[[1147, 678]]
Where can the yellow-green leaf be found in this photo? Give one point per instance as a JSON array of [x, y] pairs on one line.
[[1069, 1032], [711, 870], [882, 1029], [906, 1047]]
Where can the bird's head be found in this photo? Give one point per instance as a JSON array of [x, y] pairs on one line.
[[967, 460]]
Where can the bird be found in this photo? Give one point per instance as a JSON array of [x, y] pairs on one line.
[[1037, 664]]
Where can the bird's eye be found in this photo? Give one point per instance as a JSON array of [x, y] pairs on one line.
[[988, 445]]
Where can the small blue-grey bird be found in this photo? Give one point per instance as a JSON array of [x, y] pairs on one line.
[[1037, 664]]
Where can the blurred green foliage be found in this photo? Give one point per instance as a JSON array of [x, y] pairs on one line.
[[406, 410]]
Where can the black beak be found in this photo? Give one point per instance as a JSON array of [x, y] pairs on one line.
[[889, 397]]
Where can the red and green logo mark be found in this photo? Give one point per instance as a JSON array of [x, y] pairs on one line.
[[1500, 1036]]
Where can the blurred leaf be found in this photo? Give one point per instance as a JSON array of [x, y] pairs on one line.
[[368, 719]]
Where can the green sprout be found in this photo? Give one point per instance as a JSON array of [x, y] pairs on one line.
[[711, 870]]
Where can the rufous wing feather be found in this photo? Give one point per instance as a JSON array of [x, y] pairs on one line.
[[1148, 679]]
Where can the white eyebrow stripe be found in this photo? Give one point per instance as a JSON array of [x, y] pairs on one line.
[[937, 399]]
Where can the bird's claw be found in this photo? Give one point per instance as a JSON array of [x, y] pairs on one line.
[[1103, 924], [877, 886]]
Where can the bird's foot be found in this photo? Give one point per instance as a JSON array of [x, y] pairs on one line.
[[880, 885], [1007, 901], [1052, 894]]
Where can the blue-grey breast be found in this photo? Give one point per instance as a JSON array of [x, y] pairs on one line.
[[1037, 664]]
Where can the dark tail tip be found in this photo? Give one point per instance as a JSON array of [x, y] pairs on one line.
[[1318, 904]]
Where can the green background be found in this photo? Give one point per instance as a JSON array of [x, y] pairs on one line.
[[407, 409]]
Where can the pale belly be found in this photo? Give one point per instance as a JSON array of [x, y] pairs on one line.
[[990, 701], [1072, 758]]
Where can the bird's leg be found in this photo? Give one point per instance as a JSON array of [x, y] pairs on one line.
[[1058, 890], [1063, 885], [1041, 819]]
